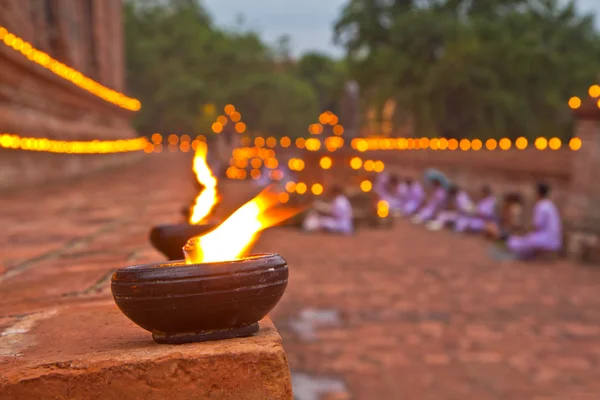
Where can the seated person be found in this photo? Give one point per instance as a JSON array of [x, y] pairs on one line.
[[483, 213], [437, 201], [459, 205], [380, 184], [334, 217], [546, 235], [508, 217], [393, 193], [414, 197]]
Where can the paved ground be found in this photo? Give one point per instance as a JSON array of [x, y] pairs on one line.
[[388, 314]]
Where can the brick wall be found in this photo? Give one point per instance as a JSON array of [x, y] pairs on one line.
[[84, 34]]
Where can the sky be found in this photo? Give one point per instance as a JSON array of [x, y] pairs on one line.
[[307, 22]]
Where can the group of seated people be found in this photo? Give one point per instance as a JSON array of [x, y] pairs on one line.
[[438, 203]]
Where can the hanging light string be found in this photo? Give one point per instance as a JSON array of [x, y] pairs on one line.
[[11, 141], [75, 77]]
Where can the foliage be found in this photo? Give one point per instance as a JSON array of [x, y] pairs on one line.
[[485, 68], [177, 62]]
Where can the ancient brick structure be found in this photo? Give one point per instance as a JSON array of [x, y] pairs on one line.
[[583, 207], [86, 35]]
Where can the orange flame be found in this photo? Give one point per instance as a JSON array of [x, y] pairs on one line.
[[234, 237], [208, 197]]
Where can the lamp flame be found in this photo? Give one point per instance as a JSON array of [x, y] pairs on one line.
[[234, 237], [208, 198]]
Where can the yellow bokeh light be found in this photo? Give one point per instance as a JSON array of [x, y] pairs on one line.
[[383, 208], [491, 144], [476, 144], [379, 166], [240, 127], [241, 162], [521, 143], [222, 120], [555, 143], [235, 116], [424, 143], [313, 144], [443, 143], [315, 129], [316, 189], [362, 146], [575, 144], [217, 127], [271, 163], [255, 174], [301, 188], [369, 165], [465, 144], [505, 144], [156, 138], [283, 197], [356, 163], [594, 91], [325, 162], [541, 143], [256, 163], [229, 109], [173, 139], [574, 102], [452, 144], [271, 142], [434, 144], [290, 187], [366, 186]]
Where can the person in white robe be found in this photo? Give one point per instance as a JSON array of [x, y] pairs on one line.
[[333, 217]]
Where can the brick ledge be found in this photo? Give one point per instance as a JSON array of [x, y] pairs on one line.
[[92, 351]]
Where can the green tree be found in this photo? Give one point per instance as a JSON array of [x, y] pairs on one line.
[[488, 68], [326, 76], [177, 62]]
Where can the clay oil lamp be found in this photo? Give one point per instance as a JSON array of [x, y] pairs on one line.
[[216, 292], [181, 303]]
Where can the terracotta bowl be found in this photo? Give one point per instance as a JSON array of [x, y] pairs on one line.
[[182, 303], [170, 239]]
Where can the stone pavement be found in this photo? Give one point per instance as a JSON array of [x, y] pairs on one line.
[[385, 314]]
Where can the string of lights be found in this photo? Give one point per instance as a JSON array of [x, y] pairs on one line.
[[521, 143], [184, 143], [77, 78], [16, 142]]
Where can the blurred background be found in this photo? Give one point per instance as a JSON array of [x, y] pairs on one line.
[[104, 102]]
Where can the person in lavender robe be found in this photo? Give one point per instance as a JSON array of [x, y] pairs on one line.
[[547, 229], [334, 217], [437, 201], [392, 193], [484, 213], [459, 204], [381, 182], [414, 197]]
